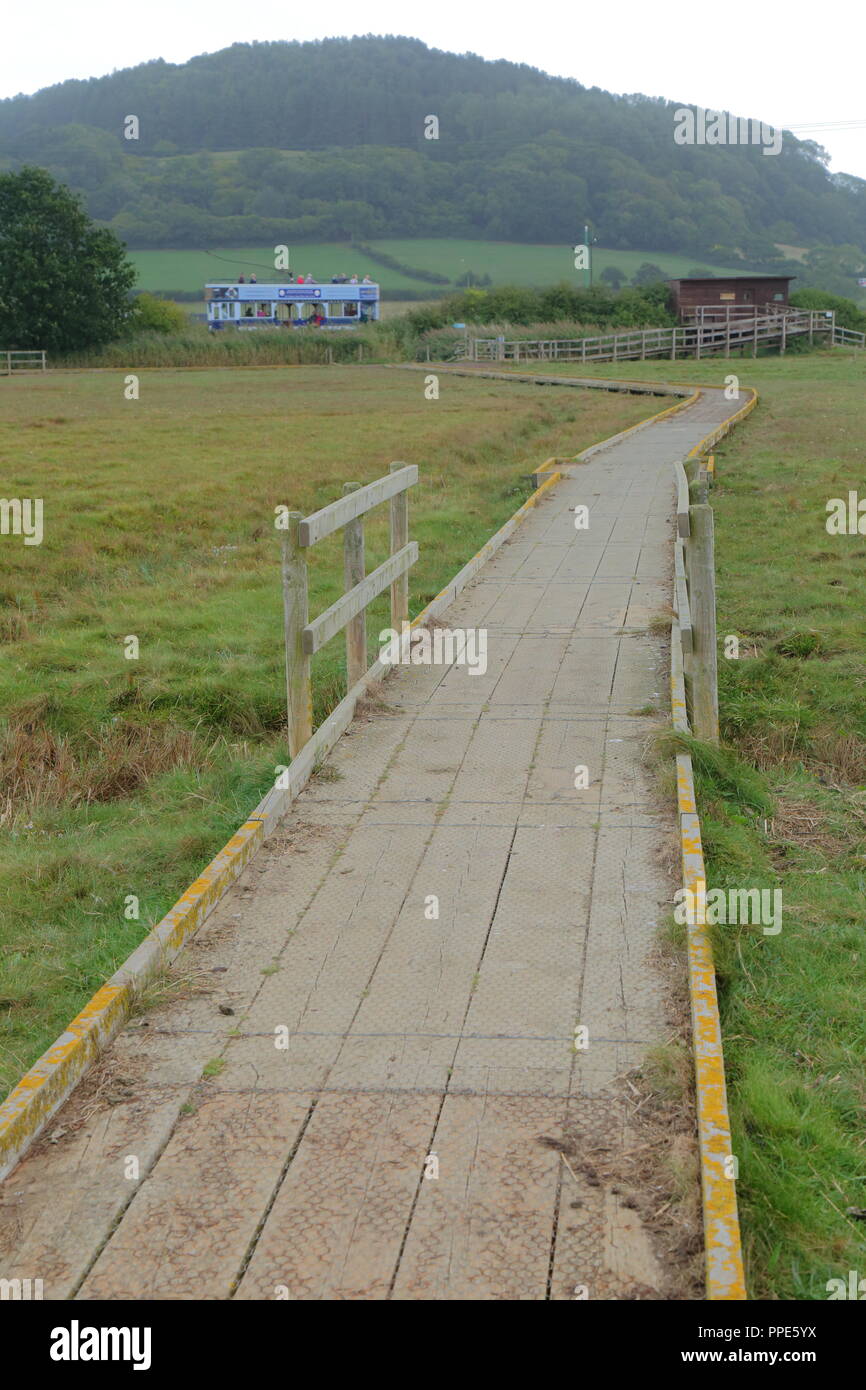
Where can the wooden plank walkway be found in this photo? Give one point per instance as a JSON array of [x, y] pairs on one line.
[[391, 989]]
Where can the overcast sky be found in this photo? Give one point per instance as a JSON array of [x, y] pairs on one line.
[[796, 65]]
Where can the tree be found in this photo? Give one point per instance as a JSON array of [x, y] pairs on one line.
[[64, 283], [647, 274], [150, 314], [613, 276], [847, 313]]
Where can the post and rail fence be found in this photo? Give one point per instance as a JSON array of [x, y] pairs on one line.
[[15, 360], [695, 597], [706, 335], [305, 637]]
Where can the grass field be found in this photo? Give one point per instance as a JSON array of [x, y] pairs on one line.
[[793, 708], [504, 262], [510, 263], [123, 777], [785, 807], [191, 270]]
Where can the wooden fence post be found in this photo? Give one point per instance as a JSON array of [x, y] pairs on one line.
[[354, 571], [296, 614], [399, 538], [702, 603]]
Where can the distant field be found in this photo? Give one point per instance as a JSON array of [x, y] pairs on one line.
[[512, 263], [190, 270], [124, 777], [505, 263]]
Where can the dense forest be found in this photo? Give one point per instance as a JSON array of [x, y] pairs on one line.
[[326, 140]]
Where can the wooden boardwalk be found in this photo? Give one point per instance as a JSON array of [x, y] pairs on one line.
[[352, 1092]]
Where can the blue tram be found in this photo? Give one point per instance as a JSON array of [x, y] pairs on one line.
[[231, 305]]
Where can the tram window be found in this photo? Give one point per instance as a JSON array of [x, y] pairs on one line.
[[350, 309], [225, 311], [249, 312]]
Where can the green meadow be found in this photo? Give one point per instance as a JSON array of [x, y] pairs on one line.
[[505, 263], [123, 777]]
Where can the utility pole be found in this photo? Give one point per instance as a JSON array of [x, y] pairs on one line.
[[583, 256]]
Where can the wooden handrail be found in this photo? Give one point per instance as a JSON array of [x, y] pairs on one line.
[[684, 617], [682, 500], [354, 504], [335, 618], [303, 637], [718, 334]]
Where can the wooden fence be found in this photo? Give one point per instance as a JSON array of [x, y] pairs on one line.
[[15, 360], [847, 337], [695, 597], [699, 339], [305, 637]]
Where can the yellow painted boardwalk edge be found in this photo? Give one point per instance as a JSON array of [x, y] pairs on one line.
[[47, 1084], [725, 1277]]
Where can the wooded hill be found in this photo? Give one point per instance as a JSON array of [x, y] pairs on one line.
[[325, 141]]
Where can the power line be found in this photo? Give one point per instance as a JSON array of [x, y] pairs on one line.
[[823, 125], [233, 260]]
